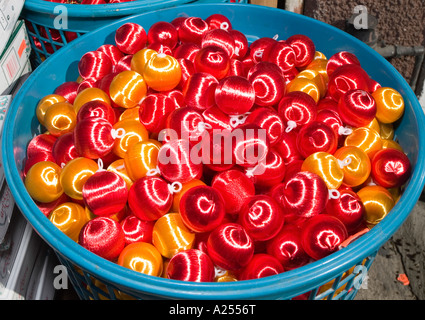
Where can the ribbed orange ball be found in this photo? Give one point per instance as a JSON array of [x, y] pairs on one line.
[[60, 118], [43, 181], [45, 103], [90, 94], [127, 89], [141, 257], [69, 217], [162, 72], [129, 133]]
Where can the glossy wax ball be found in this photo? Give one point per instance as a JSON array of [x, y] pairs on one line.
[[162, 72], [170, 235], [345, 78], [69, 218], [269, 120], [391, 168], [191, 265], [42, 182], [202, 208], [305, 194], [192, 29], [136, 230], [326, 166], [130, 132], [127, 89], [235, 95], [164, 33], [97, 109], [269, 86], [235, 187], [104, 237], [130, 38], [141, 257], [377, 201], [230, 247], [287, 248], [60, 118], [366, 139], [340, 58], [154, 111], [105, 193], [315, 137], [304, 49], [359, 168], [357, 108], [176, 164], [297, 109], [261, 217], [149, 198], [93, 138], [45, 103], [283, 55], [321, 235], [213, 60], [94, 65], [389, 103], [261, 265], [348, 208], [140, 158], [75, 174]]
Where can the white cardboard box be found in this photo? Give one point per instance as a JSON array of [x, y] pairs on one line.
[[14, 58], [9, 14]]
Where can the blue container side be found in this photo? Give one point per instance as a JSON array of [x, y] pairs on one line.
[[21, 125]]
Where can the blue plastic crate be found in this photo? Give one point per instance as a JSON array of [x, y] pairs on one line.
[[97, 278], [52, 25]]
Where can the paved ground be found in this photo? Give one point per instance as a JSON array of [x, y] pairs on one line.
[[404, 253]]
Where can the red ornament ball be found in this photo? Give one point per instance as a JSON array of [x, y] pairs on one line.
[[191, 265], [149, 198], [348, 208], [94, 65], [269, 120], [163, 33], [391, 168], [296, 109], [305, 194], [357, 108], [287, 248], [97, 109], [321, 235], [315, 137], [234, 95], [230, 247], [199, 90], [104, 237], [192, 29], [202, 208], [105, 193], [261, 265], [304, 49], [261, 217], [340, 58], [213, 60], [130, 38], [137, 230]]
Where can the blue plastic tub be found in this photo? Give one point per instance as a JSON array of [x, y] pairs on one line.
[[74, 20], [94, 277]]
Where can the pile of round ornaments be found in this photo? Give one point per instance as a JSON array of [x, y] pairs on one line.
[[326, 168]]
